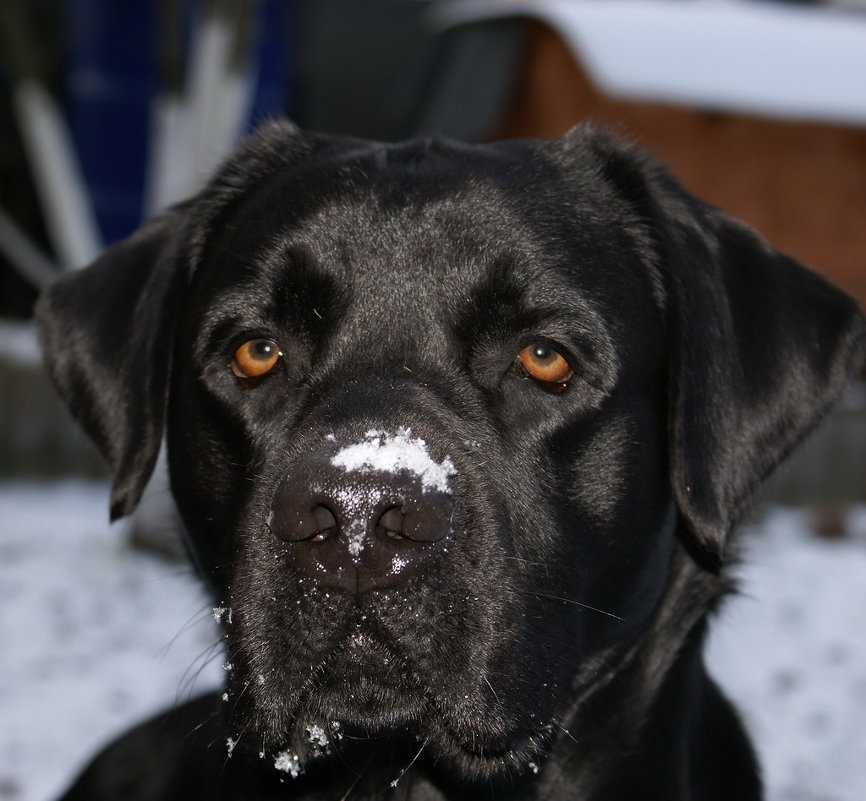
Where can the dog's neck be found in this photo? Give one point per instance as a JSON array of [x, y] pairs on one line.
[[659, 720]]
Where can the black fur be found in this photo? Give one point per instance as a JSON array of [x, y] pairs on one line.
[[549, 647]]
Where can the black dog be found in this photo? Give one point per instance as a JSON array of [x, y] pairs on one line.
[[458, 435]]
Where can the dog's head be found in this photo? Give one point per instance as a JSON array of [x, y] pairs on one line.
[[447, 425]]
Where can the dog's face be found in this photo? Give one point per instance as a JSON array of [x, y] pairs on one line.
[[459, 449], [449, 427]]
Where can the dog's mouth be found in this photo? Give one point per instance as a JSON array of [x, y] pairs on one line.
[[366, 690], [361, 692], [366, 686]]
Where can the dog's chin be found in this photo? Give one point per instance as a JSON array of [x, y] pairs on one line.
[[358, 734], [364, 698]]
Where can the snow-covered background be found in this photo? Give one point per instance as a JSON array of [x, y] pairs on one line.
[[95, 635]]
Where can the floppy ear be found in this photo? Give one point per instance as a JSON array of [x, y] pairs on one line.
[[760, 346], [106, 333]]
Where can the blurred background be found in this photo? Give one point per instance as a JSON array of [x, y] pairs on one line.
[[110, 111]]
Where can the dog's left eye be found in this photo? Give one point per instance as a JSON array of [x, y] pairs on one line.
[[256, 358], [546, 366]]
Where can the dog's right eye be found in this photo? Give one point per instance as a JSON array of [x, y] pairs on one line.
[[546, 366], [256, 358]]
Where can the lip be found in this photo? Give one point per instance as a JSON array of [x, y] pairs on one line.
[[367, 706], [363, 682], [366, 658]]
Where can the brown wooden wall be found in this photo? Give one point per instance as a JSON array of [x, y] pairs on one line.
[[802, 185]]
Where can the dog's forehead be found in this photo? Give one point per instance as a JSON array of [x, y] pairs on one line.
[[411, 237]]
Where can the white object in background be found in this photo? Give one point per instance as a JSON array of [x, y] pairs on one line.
[[770, 59], [221, 92], [193, 133], [169, 176], [57, 175]]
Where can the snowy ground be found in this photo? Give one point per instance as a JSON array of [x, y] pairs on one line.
[[94, 636]]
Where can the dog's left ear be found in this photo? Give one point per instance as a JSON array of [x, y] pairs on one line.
[[761, 347]]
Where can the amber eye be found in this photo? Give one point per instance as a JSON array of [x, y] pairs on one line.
[[255, 358], [546, 366]]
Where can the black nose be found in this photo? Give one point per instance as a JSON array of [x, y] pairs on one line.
[[360, 529]]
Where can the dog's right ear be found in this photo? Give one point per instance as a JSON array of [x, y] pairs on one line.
[[106, 333]]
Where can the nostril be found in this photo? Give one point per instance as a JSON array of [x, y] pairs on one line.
[[325, 523], [393, 522], [295, 520], [423, 518]]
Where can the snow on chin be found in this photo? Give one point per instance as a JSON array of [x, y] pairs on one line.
[[318, 736], [394, 453], [288, 762]]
